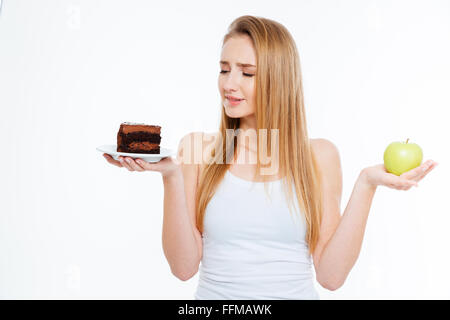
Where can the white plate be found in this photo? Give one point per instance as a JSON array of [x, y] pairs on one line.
[[149, 157]]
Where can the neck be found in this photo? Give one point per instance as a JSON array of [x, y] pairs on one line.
[[245, 124], [248, 122]]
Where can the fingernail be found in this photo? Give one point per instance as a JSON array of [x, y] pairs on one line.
[[127, 160]]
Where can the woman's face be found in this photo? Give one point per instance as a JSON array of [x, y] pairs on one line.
[[237, 77]]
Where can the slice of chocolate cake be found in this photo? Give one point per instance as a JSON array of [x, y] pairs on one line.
[[138, 138]]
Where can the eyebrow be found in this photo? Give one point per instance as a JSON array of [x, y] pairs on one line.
[[239, 64]]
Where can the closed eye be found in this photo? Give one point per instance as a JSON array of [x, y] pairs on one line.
[[245, 74]]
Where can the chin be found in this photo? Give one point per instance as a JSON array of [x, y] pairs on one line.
[[237, 112], [233, 113]]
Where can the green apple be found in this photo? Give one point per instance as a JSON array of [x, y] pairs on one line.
[[400, 157]]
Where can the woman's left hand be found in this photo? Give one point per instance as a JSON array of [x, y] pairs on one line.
[[377, 175]]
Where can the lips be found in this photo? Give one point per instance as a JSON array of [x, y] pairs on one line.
[[234, 99]]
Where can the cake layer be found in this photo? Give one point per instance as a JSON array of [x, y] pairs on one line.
[[139, 136], [140, 147], [128, 127]]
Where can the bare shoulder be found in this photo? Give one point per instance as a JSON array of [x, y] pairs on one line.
[[324, 148], [191, 143], [329, 162], [208, 141], [328, 159], [191, 149]]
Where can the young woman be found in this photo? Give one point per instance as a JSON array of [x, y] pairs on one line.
[[219, 217]]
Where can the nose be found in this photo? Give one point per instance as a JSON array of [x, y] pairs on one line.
[[231, 82]]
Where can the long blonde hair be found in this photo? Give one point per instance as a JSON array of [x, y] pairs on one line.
[[279, 105]]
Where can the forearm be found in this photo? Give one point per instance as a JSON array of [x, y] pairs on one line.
[[342, 250], [178, 238]]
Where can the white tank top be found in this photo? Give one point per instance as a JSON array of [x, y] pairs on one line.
[[253, 246]]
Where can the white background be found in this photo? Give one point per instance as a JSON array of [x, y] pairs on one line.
[[72, 226]]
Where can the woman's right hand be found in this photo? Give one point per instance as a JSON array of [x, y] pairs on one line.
[[166, 166]]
